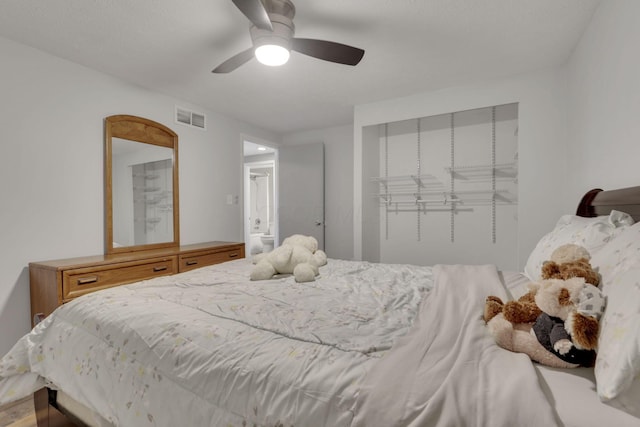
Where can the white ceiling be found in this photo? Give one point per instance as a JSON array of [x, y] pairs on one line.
[[411, 46]]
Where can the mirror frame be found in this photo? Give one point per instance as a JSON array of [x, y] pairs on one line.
[[146, 131]]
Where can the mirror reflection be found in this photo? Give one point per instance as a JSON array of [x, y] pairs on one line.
[[141, 185], [142, 193]]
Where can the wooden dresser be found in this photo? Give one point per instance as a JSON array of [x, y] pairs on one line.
[[54, 283]]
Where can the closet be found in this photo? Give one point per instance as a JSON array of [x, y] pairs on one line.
[[446, 187]]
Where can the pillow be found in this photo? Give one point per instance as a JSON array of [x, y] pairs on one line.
[[618, 256], [618, 360], [592, 233]]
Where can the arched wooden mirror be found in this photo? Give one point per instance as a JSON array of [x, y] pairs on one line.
[[141, 185]]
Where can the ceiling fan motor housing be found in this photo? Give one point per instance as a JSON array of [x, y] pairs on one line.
[[283, 31], [280, 7]]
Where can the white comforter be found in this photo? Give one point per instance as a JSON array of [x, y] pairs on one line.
[[210, 348]]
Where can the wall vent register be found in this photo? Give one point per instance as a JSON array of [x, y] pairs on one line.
[[190, 118]]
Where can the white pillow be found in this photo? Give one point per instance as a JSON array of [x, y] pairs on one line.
[[591, 233], [618, 256], [618, 360]]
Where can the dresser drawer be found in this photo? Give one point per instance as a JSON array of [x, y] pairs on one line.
[[81, 281], [189, 262]]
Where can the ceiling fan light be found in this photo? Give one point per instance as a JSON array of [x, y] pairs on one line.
[[272, 54]]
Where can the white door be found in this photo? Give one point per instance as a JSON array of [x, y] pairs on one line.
[[301, 191]]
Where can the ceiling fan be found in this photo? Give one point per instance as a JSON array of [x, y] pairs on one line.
[[273, 38]]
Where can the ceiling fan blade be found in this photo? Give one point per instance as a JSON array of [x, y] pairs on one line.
[[256, 13], [329, 51], [234, 62]]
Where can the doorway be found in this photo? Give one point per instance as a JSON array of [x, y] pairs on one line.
[[283, 194], [260, 198]]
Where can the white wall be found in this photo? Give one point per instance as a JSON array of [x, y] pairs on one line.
[[338, 181], [541, 140], [51, 168], [604, 101]]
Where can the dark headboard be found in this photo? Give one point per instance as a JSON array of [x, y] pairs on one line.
[[598, 202]]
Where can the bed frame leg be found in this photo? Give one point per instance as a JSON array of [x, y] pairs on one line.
[[47, 415]]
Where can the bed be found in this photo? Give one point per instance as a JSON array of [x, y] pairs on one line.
[[364, 345]]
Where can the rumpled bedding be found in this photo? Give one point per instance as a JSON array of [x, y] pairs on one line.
[[211, 348], [447, 371], [364, 345]]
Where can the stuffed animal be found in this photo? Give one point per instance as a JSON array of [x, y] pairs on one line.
[[511, 323], [566, 261], [569, 324], [298, 254], [524, 310], [569, 261], [565, 335], [518, 338]]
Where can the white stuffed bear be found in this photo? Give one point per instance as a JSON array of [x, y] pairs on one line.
[[298, 254]]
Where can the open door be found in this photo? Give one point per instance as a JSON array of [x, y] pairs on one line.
[[301, 191]]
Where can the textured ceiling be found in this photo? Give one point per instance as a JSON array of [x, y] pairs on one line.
[[411, 46]]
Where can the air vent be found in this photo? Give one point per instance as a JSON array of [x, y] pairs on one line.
[[190, 118], [197, 120]]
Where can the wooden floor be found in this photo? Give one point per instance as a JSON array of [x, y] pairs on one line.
[[18, 414]]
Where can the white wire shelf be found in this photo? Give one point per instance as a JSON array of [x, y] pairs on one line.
[[404, 180], [489, 167], [446, 197], [476, 173]]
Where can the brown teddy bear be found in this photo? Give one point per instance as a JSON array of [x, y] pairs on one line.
[[566, 261], [569, 261]]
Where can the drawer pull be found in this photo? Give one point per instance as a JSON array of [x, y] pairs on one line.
[[87, 280], [233, 255], [162, 268], [192, 262]]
